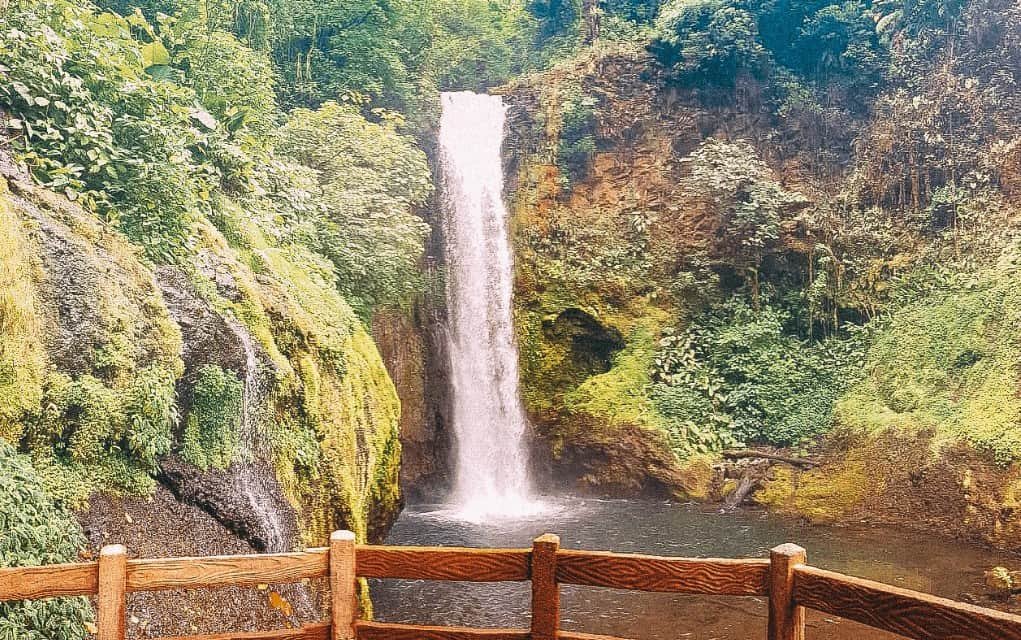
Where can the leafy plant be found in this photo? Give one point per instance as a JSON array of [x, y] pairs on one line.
[[741, 374], [36, 532]]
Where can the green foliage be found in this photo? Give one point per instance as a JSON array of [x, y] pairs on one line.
[[36, 532], [638, 11], [827, 44], [948, 363], [370, 178], [212, 430], [841, 39], [757, 382], [476, 44], [577, 142], [556, 17], [234, 82], [618, 396], [329, 49], [710, 40], [90, 122], [749, 203], [150, 412], [86, 424]]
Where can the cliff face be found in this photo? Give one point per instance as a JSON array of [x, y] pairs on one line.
[[597, 151], [241, 381], [919, 430]]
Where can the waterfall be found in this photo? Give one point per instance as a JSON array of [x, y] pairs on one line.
[[251, 483], [489, 424]]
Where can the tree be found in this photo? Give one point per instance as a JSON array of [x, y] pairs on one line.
[[477, 43], [709, 41], [370, 179], [748, 202]]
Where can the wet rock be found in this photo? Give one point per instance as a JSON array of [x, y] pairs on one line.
[[207, 336], [159, 526], [404, 346], [630, 461], [102, 311], [246, 499]]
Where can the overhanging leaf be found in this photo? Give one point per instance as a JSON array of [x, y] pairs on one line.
[[155, 53]]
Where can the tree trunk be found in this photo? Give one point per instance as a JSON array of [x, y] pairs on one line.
[[593, 15]]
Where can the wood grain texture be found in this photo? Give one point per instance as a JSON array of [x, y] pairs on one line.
[[451, 563], [545, 590], [111, 601], [672, 575], [308, 632], [199, 573], [386, 631], [907, 613], [343, 603], [577, 635], [786, 618], [30, 583]]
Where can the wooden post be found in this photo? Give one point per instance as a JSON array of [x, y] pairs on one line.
[[111, 602], [786, 618], [545, 590], [343, 605]]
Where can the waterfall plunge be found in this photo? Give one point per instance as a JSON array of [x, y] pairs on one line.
[[492, 466]]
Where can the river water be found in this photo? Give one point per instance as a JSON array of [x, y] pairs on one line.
[[910, 560]]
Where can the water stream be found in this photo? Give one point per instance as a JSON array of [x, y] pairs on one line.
[[249, 480], [491, 462], [909, 560]]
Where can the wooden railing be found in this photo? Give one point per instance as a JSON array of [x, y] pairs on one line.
[[785, 579]]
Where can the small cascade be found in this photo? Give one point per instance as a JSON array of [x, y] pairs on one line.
[[492, 463], [250, 481]]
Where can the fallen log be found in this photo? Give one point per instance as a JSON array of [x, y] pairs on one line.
[[753, 476], [736, 454]]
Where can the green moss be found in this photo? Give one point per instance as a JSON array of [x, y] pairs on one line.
[[335, 439], [94, 437], [212, 430], [949, 363], [619, 396], [697, 476], [824, 495], [22, 357]]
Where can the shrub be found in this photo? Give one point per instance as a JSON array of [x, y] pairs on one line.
[[762, 384], [101, 436], [36, 532]]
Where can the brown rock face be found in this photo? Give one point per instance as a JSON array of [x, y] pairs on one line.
[[418, 370]]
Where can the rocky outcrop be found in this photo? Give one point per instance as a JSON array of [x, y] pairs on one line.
[[106, 350], [253, 511], [404, 344]]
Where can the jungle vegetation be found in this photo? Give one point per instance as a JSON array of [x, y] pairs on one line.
[[880, 287]]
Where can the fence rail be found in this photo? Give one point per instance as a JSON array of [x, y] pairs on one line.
[[791, 585]]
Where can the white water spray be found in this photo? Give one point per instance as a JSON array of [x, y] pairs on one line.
[[492, 466]]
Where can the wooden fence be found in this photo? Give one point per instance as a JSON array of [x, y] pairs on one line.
[[785, 579]]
